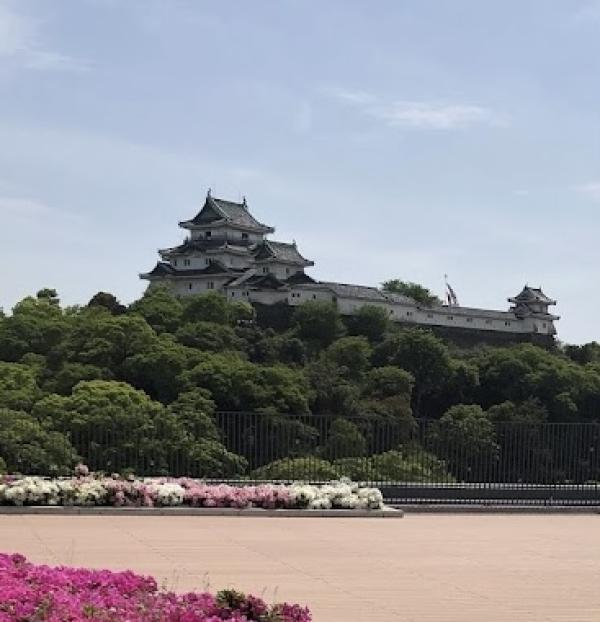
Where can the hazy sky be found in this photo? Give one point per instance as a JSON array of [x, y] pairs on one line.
[[388, 138]]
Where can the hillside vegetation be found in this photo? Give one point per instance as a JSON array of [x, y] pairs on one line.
[[163, 366]]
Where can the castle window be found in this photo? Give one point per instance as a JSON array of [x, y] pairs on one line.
[[470, 320], [488, 321], [314, 296], [210, 285], [450, 317], [175, 262], [506, 323], [190, 286], [265, 270], [409, 313], [187, 262], [208, 235], [244, 236], [207, 262], [232, 294], [287, 270], [544, 325], [430, 316]]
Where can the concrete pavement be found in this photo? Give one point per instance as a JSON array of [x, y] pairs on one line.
[[442, 568]]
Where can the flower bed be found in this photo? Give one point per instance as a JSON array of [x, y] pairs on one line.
[[45, 594], [155, 492]]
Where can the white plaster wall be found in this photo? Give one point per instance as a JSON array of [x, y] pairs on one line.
[[199, 286]]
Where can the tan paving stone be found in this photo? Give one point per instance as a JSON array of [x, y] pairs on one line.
[[442, 568]]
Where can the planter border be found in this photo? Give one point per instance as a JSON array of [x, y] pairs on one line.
[[49, 510]]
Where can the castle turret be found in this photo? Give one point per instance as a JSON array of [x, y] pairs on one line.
[[532, 303]]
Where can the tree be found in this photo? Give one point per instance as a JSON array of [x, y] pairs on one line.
[[115, 427], [387, 395], [157, 369], [210, 307], [48, 295], [208, 336], [344, 440], [332, 392], [412, 290], [423, 355], [36, 326], [63, 379], [28, 447], [318, 322], [466, 438], [531, 411], [18, 386], [108, 302], [352, 354], [98, 338], [236, 384], [584, 354], [389, 381], [369, 321], [160, 308]]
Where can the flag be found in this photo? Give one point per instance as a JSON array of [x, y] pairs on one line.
[[451, 296]]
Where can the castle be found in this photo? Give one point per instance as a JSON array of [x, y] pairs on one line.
[[227, 250]]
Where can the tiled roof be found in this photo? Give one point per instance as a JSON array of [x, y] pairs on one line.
[[280, 251], [344, 290], [399, 299], [215, 210], [215, 267], [299, 278], [160, 269], [265, 281], [532, 294]]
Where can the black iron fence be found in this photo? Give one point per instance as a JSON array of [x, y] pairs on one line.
[[424, 461]]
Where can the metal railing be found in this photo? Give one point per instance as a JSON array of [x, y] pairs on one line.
[[422, 461]]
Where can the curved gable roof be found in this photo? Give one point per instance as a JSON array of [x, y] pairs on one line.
[[219, 210]]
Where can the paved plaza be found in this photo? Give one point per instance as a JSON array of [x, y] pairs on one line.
[[442, 568]]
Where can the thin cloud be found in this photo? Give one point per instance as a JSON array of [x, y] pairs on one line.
[[20, 43], [429, 115], [23, 206], [589, 13], [590, 190]]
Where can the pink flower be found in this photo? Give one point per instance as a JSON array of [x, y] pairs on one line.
[[30, 592]]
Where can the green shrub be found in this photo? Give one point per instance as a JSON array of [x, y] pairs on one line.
[[297, 469], [399, 466]]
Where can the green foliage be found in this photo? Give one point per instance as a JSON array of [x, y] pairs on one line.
[[404, 465], [318, 322], [531, 411], [369, 321], [389, 381], [344, 439], [49, 295], [466, 438], [210, 307], [413, 290], [26, 446], [36, 325], [208, 336], [352, 354], [236, 384], [157, 370], [160, 308], [141, 385], [107, 301], [18, 386], [423, 355], [303, 469]]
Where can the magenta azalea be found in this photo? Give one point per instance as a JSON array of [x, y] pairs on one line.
[[45, 594]]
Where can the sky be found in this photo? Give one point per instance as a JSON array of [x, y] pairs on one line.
[[389, 138]]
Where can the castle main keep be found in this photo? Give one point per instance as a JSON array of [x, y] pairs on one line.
[[228, 250]]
